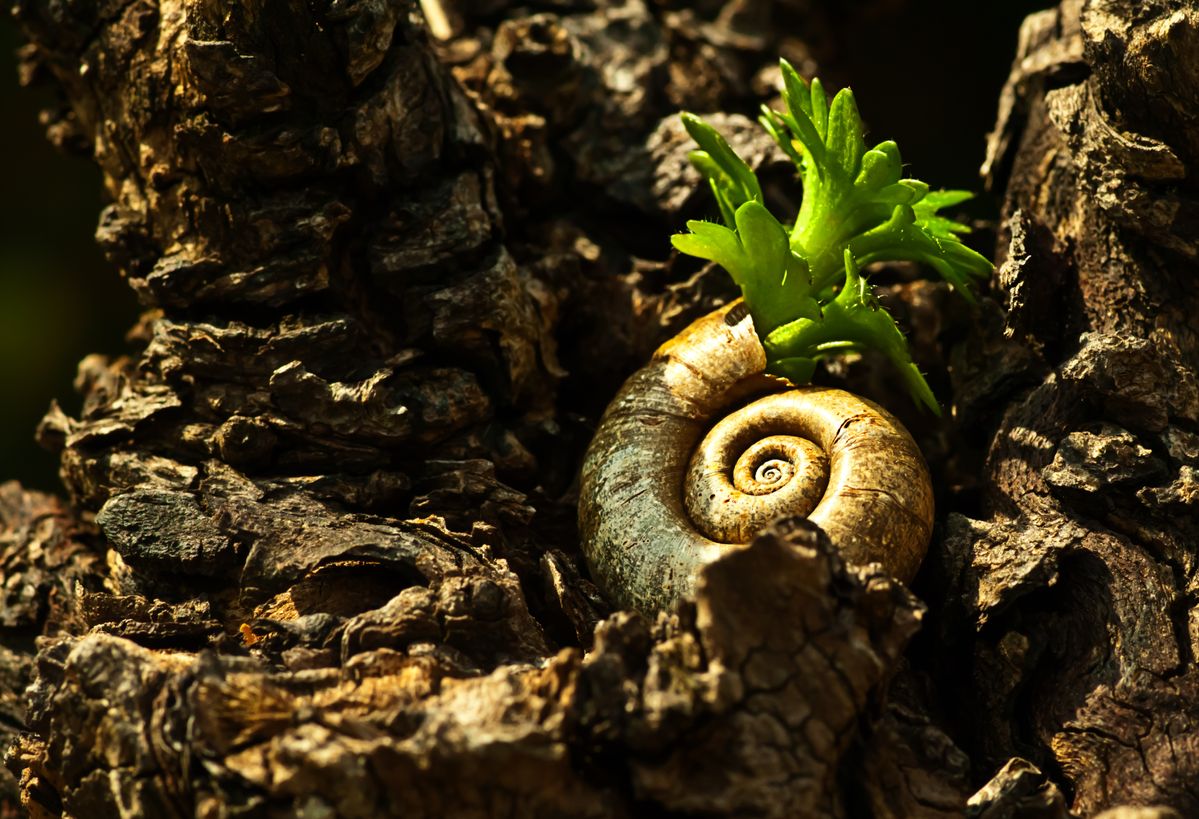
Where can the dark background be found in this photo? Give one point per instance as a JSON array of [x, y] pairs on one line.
[[59, 299], [926, 74]]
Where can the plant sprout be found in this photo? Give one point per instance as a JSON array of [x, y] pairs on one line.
[[802, 282]]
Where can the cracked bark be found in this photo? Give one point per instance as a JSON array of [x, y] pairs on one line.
[[1076, 581], [318, 554]]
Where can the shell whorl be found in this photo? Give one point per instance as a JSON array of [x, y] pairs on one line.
[[699, 450]]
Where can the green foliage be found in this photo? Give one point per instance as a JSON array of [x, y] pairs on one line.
[[773, 278], [851, 321], [802, 283]]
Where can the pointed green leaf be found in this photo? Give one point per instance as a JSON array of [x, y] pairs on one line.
[[795, 91], [939, 226], [966, 259], [819, 108], [796, 290], [725, 157], [715, 243], [902, 237], [777, 127], [764, 239], [845, 142], [726, 193], [803, 131], [935, 200], [777, 288]]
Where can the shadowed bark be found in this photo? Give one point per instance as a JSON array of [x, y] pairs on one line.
[[1075, 586], [319, 554]]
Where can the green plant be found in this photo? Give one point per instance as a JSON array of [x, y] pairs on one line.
[[802, 283]]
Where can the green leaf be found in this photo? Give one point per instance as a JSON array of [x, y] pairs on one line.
[[733, 182], [778, 287], [904, 237], [879, 169], [773, 280], [798, 120], [795, 90], [723, 188], [935, 200], [855, 320], [935, 224], [777, 127], [919, 189], [763, 237], [715, 243], [819, 107], [845, 142], [897, 194]]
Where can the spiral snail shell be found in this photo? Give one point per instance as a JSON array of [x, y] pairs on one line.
[[700, 449]]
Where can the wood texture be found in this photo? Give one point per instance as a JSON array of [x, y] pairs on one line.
[[1073, 586], [317, 555]]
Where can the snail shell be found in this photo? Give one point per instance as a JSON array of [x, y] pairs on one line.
[[700, 449]]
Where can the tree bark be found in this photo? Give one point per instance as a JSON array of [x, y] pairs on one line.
[[1075, 586], [319, 554]]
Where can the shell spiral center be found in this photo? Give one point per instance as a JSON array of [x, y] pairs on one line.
[[756, 463]]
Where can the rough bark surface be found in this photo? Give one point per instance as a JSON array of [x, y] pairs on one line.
[[1075, 584], [319, 555]]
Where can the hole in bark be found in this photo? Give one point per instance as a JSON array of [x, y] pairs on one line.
[[346, 590]]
